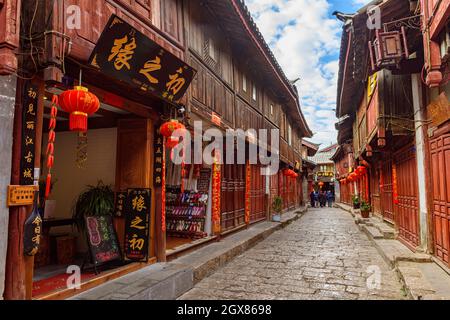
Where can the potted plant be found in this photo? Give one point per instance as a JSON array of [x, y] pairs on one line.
[[94, 201], [356, 203], [277, 207], [365, 209]]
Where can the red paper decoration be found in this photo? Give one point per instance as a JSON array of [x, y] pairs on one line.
[[51, 144], [80, 103], [171, 142], [361, 170]]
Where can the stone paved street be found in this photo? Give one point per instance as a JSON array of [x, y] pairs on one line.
[[323, 255]]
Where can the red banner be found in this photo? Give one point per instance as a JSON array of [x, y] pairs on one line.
[[247, 192], [216, 190], [394, 184]]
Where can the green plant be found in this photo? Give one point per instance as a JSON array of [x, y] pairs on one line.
[[94, 201], [355, 199], [277, 205], [365, 206]]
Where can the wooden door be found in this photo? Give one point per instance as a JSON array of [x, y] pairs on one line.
[[387, 200], [407, 206], [375, 189], [257, 194], [440, 165], [233, 197]]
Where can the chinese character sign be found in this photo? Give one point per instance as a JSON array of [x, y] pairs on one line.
[[120, 204], [137, 224], [126, 54], [158, 160], [29, 112]]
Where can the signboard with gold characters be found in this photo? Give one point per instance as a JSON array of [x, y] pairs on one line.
[[124, 53], [137, 224]]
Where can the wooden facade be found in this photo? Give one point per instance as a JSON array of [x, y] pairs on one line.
[[238, 85], [394, 128]]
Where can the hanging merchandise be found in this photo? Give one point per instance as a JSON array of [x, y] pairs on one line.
[[51, 144], [80, 103]]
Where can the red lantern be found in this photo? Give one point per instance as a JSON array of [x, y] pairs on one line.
[[321, 184], [167, 128], [80, 103], [171, 142], [361, 170]]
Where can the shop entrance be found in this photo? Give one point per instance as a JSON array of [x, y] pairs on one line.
[[89, 172]]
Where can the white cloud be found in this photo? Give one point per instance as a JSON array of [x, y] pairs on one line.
[[305, 40]]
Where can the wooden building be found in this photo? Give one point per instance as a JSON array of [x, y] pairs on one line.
[[393, 119], [237, 85]]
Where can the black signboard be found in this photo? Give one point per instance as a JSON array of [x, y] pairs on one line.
[[102, 239], [28, 135], [137, 224], [203, 181], [32, 230], [126, 54], [120, 204], [158, 162]]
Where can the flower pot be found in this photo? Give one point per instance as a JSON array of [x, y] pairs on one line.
[[276, 217], [365, 214]]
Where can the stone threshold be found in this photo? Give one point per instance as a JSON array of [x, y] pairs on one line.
[[421, 276], [168, 281]]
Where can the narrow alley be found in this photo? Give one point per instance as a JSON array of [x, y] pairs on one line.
[[323, 255]]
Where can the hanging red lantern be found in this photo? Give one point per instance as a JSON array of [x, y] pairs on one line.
[[167, 128], [80, 103], [171, 142], [321, 184], [361, 170]]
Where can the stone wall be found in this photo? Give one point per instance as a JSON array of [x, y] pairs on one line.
[[7, 99]]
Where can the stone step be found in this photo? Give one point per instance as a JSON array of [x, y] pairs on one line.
[[372, 232]]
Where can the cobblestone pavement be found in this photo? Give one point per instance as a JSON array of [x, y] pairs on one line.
[[323, 255]]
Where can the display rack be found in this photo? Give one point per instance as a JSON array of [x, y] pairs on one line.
[[185, 213]]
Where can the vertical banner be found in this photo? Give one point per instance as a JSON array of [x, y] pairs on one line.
[[247, 191], [30, 102], [163, 191], [394, 184], [137, 224], [216, 190], [158, 159]]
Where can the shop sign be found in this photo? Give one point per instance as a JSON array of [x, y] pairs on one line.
[[439, 110], [124, 53], [158, 160], [32, 230], [30, 102], [394, 184], [137, 224], [325, 174], [102, 239], [203, 181], [120, 204], [248, 172], [216, 190]]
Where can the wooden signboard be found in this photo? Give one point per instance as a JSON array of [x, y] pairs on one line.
[[439, 110], [28, 135], [158, 162], [203, 181], [137, 224], [102, 239], [126, 54]]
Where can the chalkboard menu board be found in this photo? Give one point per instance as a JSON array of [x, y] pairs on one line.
[[137, 224], [102, 239]]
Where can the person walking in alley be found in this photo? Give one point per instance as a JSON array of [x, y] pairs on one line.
[[316, 199], [322, 199], [330, 198], [313, 199]]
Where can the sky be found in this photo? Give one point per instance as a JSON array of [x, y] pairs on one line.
[[305, 38]]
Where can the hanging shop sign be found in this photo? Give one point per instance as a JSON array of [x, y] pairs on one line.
[[120, 198], [325, 174], [158, 159], [203, 181], [29, 112], [248, 173], [102, 239], [394, 184], [32, 230], [216, 189], [137, 224], [126, 54], [439, 110]]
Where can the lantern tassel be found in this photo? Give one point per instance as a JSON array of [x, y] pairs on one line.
[[78, 121], [48, 185]]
